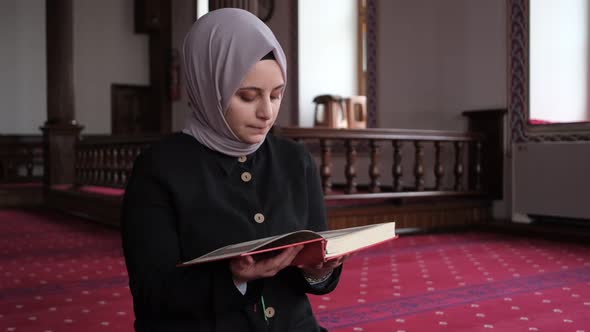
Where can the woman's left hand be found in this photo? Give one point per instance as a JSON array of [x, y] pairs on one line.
[[321, 270]]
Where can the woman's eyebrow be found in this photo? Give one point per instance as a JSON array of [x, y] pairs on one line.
[[250, 88], [260, 89]]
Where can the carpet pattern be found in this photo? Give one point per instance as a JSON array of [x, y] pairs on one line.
[[59, 273], [462, 282]]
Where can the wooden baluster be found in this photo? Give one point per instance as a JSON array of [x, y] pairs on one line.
[[30, 164], [459, 165], [130, 159], [100, 165], [124, 165], [10, 169], [79, 164], [77, 167], [439, 170], [84, 168], [396, 168], [374, 186], [89, 164], [108, 169], [116, 175], [326, 165], [124, 160], [350, 170], [84, 164], [418, 165], [95, 166], [3, 169], [114, 170], [478, 165], [107, 166]]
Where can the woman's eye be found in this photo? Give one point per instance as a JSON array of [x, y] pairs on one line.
[[275, 97], [247, 97]]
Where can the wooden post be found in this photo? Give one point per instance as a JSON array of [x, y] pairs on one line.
[[418, 165], [491, 124], [61, 130], [326, 165], [396, 168], [459, 165], [374, 186], [350, 168], [439, 170]]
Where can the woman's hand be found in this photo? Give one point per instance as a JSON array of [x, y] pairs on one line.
[[321, 270], [245, 268]]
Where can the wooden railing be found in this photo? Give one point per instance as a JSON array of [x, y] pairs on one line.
[[463, 150], [455, 169], [107, 160], [353, 163], [415, 177], [21, 158]]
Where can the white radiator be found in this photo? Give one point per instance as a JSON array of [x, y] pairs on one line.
[[552, 179]]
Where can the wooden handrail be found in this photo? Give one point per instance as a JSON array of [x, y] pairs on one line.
[[116, 139], [376, 134]]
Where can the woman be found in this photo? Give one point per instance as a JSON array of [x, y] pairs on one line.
[[224, 180]]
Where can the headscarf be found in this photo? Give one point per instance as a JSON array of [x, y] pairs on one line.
[[219, 50]]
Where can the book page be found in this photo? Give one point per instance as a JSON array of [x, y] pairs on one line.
[[343, 241], [292, 238], [256, 246]]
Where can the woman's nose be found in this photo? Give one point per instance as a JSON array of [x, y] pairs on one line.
[[264, 110]]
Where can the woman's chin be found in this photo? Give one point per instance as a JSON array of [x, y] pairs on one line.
[[253, 139]]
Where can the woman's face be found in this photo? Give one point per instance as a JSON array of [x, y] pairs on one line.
[[254, 107]]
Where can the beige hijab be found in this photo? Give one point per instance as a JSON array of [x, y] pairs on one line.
[[219, 50]]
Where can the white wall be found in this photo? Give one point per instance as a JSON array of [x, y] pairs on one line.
[[106, 51], [23, 76], [436, 59], [327, 52]]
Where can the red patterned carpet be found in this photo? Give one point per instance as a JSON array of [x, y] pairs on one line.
[[58, 273]]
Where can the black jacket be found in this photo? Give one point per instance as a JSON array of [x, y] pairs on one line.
[[184, 200]]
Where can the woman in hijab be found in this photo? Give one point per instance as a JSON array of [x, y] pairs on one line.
[[224, 180]]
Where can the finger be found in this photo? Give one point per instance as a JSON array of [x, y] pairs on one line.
[[246, 262], [242, 269], [274, 265], [334, 264], [289, 254]]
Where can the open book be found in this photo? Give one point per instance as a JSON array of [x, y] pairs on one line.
[[318, 247]]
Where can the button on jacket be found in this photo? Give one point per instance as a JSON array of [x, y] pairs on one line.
[[184, 200]]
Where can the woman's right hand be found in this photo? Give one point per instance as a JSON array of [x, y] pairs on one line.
[[245, 268]]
